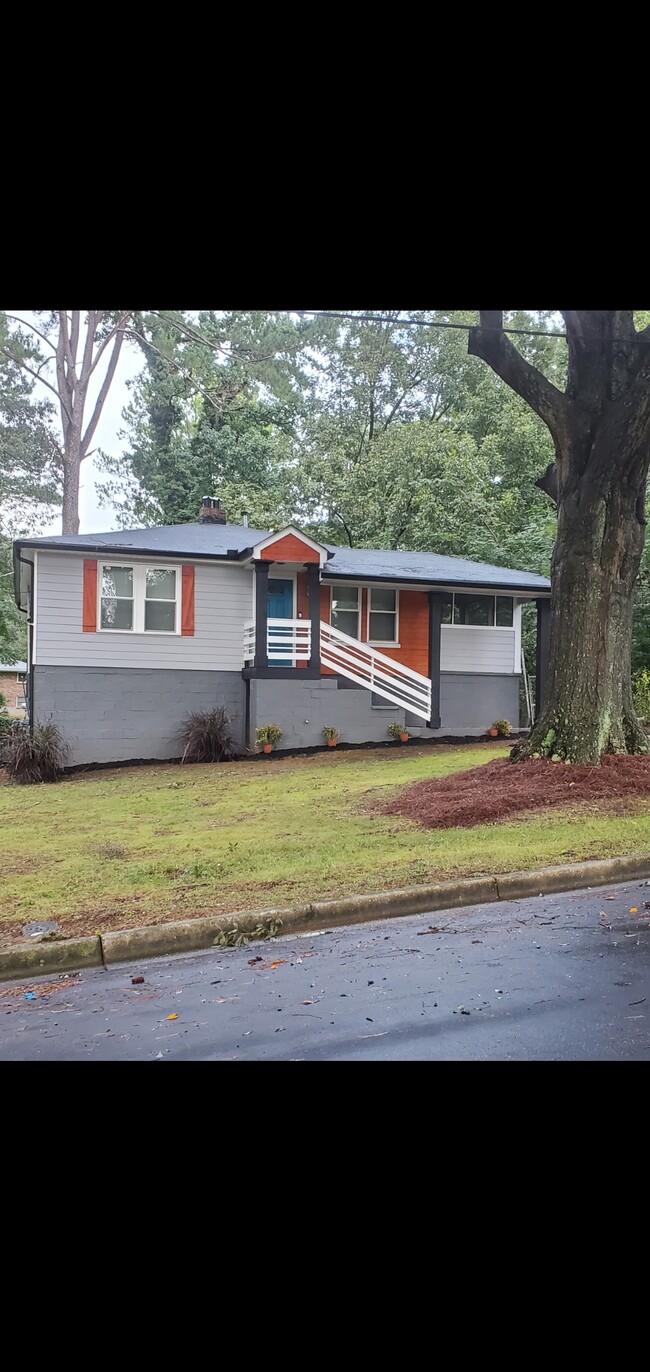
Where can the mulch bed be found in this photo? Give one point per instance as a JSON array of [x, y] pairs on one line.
[[501, 788]]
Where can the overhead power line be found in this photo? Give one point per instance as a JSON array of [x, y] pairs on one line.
[[421, 323], [449, 324]]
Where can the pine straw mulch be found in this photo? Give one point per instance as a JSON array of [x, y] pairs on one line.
[[486, 794]]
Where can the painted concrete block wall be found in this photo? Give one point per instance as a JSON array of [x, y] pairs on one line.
[[117, 714], [223, 601], [468, 704], [301, 709]]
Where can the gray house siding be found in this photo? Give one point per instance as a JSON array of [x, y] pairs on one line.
[[223, 601], [113, 714]]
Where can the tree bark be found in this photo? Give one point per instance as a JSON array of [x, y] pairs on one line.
[[588, 708], [601, 431]]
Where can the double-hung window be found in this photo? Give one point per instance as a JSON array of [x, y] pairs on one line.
[[345, 610], [139, 599], [382, 616]]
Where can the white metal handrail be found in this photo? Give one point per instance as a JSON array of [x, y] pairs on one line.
[[374, 670], [286, 639]]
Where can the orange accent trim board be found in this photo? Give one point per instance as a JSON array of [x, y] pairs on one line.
[[89, 612], [289, 549], [187, 600]]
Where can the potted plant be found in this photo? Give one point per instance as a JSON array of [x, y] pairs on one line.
[[399, 731], [267, 735], [500, 729], [331, 734]]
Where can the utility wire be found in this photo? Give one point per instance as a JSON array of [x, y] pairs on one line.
[[445, 324]]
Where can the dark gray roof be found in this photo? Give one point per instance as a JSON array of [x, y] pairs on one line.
[[181, 540], [220, 540]]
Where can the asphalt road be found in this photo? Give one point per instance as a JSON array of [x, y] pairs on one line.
[[559, 977]]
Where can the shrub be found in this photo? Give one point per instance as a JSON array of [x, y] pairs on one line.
[[39, 756], [330, 732], [396, 730], [503, 728], [268, 733], [641, 693], [206, 737]]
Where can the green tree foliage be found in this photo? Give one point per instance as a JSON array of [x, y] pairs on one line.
[[30, 475], [214, 411]]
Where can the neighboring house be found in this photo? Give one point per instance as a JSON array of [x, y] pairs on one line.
[[13, 676], [130, 631]]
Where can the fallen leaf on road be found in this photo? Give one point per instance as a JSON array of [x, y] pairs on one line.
[[309, 1002], [137, 981], [610, 897], [281, 962], [222, 1000], [633, 910], [252, 961], [172, 1017]]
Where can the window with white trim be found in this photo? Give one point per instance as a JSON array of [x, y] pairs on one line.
[[138, 599], [382, 615], [345, 610]]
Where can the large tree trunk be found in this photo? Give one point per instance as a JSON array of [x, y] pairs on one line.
[[601, 431], [588, 706]]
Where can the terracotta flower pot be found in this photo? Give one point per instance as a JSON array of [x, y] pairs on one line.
[[332, 742], [494, 733], [267, 747], [405, 737]]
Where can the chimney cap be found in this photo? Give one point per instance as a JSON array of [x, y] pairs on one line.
[[212, 511]]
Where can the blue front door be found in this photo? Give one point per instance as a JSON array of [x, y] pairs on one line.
[[279, 606]]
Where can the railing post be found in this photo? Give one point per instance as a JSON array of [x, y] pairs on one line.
[[261, 613], [313, 594], [436, 601]]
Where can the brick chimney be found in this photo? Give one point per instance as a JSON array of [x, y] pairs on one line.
[[211, 511]]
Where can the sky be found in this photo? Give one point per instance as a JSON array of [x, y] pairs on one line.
[[94, 518]]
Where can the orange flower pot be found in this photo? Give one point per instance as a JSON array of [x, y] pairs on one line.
[[267, 747], [332, 742], [405, 737], [494, 733]]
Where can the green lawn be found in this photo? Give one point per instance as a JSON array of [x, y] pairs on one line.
[[147, 844]]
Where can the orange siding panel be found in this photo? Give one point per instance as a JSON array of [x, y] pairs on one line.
[[89, 613], [413, 651], [289, 549], [413, 631]]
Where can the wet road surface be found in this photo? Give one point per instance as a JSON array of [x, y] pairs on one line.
[[555, 977]]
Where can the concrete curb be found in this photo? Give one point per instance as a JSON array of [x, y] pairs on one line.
[[191, 935], [34, 959]]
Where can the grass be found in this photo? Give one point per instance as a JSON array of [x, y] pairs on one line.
[[109, 850]]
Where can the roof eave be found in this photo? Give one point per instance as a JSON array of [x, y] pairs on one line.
[[436, 581]]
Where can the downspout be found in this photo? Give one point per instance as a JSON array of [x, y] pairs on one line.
[[18, 557]]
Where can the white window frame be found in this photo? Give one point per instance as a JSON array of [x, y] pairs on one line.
[[139, 570], [352, 586], [382, 642], [485, 595]]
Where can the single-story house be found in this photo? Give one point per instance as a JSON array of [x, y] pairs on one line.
[[13, 677], [130, 631]]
